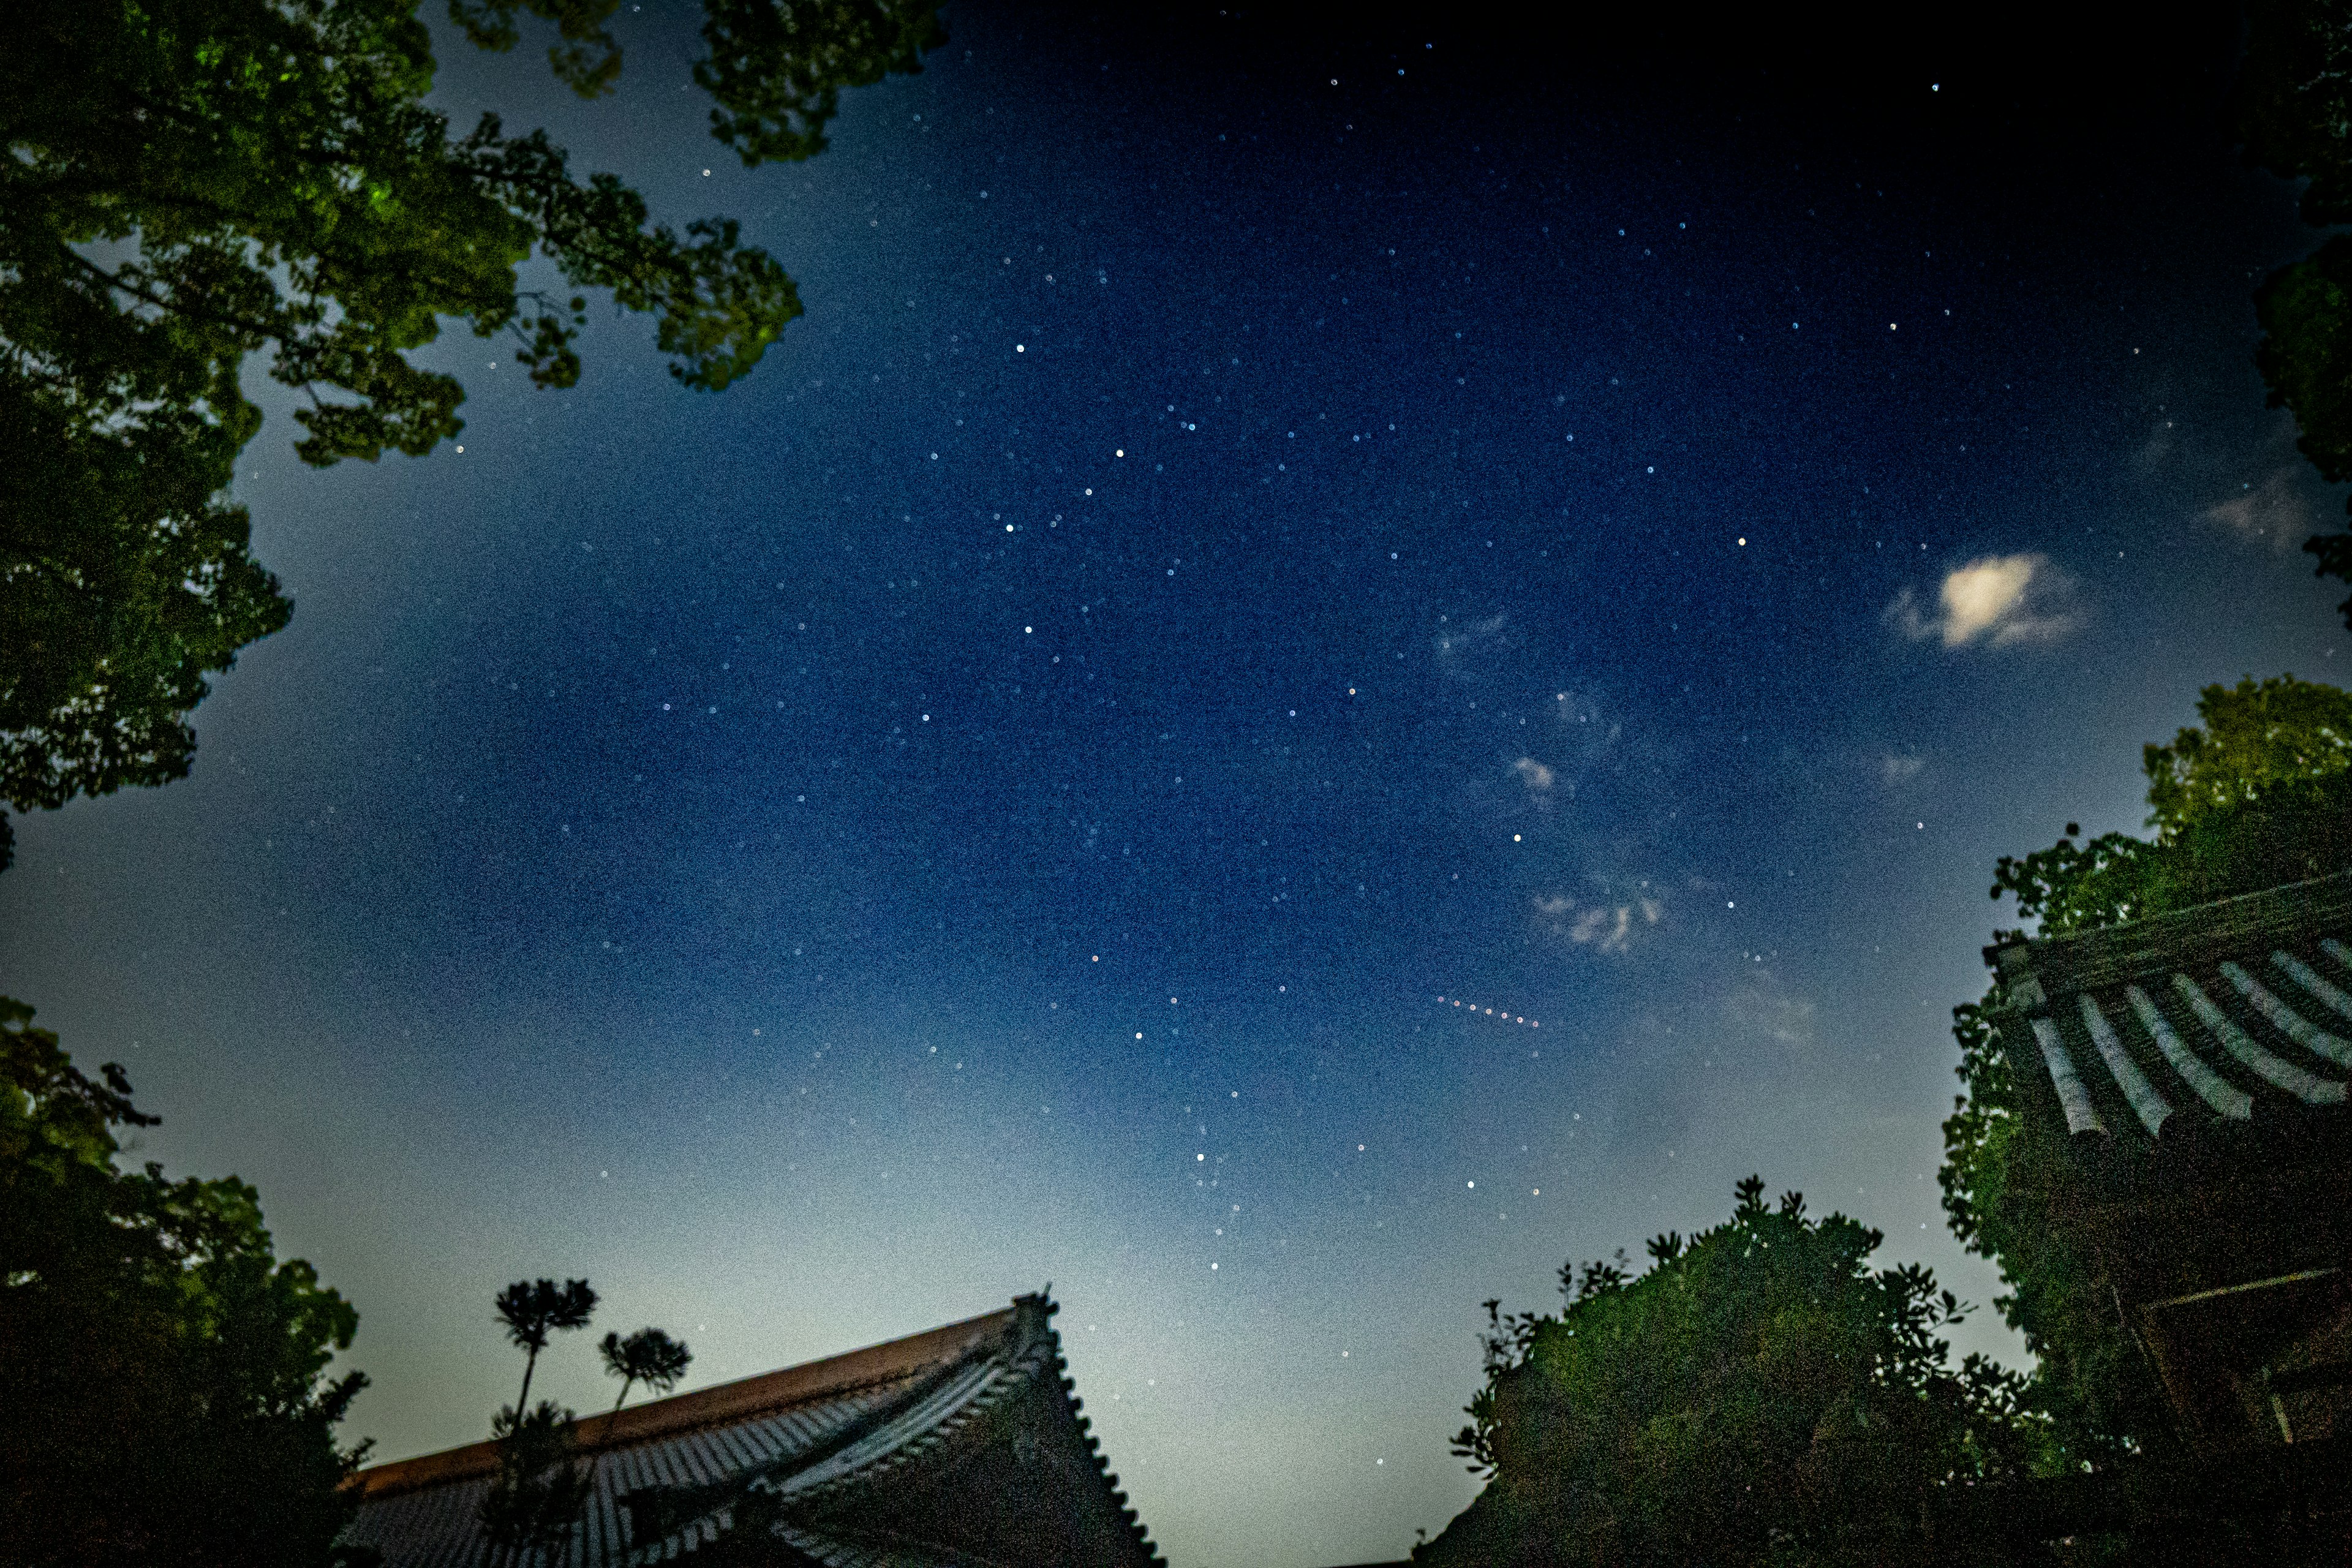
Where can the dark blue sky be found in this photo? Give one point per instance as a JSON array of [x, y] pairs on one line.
[[1251, 537]]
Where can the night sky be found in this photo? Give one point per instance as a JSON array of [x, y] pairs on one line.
[[1258, 538]]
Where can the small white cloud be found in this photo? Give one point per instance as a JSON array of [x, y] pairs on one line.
[[1999, 600], [1533, 773], [2275, 512], [1895, 770]]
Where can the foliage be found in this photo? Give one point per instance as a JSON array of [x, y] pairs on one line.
[[1759, 1394], [2293, 105], [588, 60], [2258, 796], [193, 183], [777, 70], [533, 1309], [2259, 738], [1999, 1185], [163, 1396], [648, 1356], [536, 1499]]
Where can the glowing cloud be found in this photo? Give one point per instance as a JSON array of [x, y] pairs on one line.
[[1532, 773], [1999, 600]]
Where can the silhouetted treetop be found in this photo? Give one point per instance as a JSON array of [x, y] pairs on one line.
[[1760, 1394], [193, 183], [163, 1386], [648, 1356]]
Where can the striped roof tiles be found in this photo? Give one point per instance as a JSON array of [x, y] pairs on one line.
[[2209, 1021]]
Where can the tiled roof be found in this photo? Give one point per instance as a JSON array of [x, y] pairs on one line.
[[818, 1439], [2218, 1022], [835, 1554]]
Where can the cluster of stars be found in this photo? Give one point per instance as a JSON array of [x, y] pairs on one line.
[[1506, 1017]]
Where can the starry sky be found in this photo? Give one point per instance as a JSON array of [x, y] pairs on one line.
[[1264, 542]]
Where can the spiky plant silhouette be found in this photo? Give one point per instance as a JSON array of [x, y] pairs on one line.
[[648, 1356], [533, 1309]]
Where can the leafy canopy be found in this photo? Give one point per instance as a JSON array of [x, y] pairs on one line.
[[2254, 799], [163, 1390], [2293, 103], [192, 184], [1759, 1394], [2258, 795]]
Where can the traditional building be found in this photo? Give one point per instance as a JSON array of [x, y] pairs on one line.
[[2186, 1076], [962, 1447]]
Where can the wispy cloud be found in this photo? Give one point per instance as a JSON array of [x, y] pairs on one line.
[[1466, 649], [2275, 512], [2002, 601], [1762, 1008], [1896, 769], [1591, 803], [1606, 927]]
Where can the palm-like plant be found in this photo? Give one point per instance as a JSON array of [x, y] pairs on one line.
[[533, 1309], [648, 1356]]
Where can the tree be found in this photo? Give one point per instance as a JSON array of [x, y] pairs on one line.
[[531, 1310], [539, 1490], [194, 182], [164, 1393], [2260, 797], [2292, 106], [648, 1356], [536, 1498], [1759, 1394]]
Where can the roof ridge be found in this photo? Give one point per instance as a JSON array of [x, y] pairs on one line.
[[1034, 1358], [918, 1389], [2195, 936], [1112, 1491], [1035, 1335], [892, 1361]]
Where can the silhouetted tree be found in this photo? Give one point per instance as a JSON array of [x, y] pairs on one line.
[[1758, 1395], [648, 1356], [2258, 796], [164, 1394], [2292, 99], [531, 1310], [536, 1499], [192, 182]]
